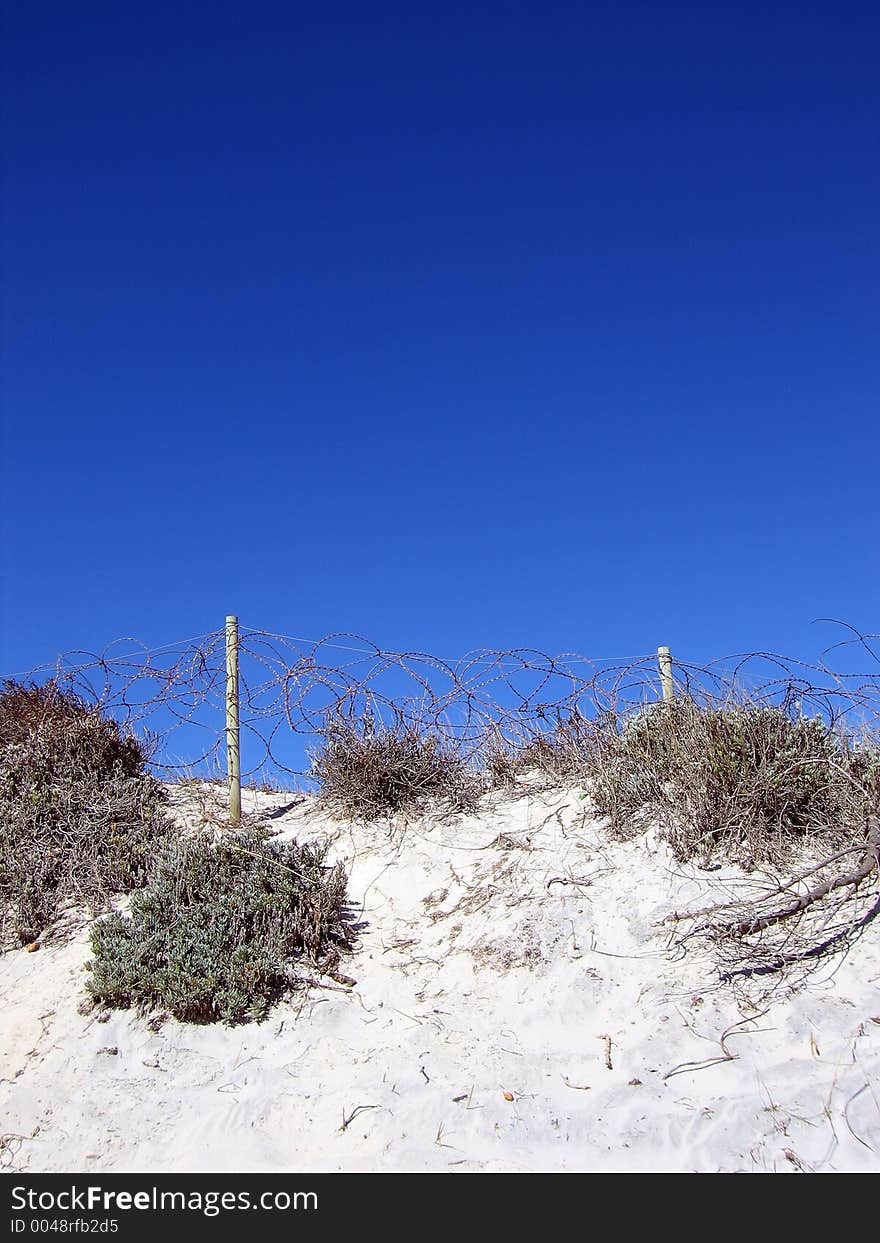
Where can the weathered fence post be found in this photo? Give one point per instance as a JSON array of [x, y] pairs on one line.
[[233, 753], [664, 659]]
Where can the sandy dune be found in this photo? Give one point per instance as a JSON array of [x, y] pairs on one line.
[[508, 957]]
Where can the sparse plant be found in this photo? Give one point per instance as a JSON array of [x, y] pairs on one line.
[[558, 752], [500, 756], [80, 817], [561, 752], [202, 802], [368, 772], [222, 930]]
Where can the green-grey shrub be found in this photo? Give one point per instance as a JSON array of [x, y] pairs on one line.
[[222, 928]]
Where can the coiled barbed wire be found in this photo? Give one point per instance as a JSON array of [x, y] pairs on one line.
[[292, 690]]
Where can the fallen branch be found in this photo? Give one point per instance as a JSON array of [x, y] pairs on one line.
[[832, 918], [870, 862]]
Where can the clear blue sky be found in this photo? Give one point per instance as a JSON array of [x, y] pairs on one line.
[[447, 324]]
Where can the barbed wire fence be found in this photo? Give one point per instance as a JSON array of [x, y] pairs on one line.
[[293, 689], [282, 697]]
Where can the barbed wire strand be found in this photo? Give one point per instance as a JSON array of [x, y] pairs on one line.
[[292, 689]]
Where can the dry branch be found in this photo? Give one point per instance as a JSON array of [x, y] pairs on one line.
[[870, 863], [755, 937]]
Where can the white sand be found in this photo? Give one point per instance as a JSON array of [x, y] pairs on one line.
[[479, 977]]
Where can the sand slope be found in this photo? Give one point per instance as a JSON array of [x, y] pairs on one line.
[[501, 949]]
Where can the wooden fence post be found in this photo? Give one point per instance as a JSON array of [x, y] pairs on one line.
[[233, 752], [664, 659]]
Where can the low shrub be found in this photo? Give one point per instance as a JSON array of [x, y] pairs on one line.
[[219, 931], [749, 777], [369, 773], [81, 819]]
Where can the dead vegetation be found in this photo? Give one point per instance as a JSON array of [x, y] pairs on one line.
[[794, 922], [80, 817], [558, 753], [369, 772]]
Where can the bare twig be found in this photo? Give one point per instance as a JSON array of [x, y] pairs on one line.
[[346, 1122]]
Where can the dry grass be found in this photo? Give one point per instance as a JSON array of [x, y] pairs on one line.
[[370, 773], [559, 753]]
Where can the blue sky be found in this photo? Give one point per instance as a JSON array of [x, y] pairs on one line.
[[451, 325]]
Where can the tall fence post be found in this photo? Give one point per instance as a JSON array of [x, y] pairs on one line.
[[664, 659], [233, 752]]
